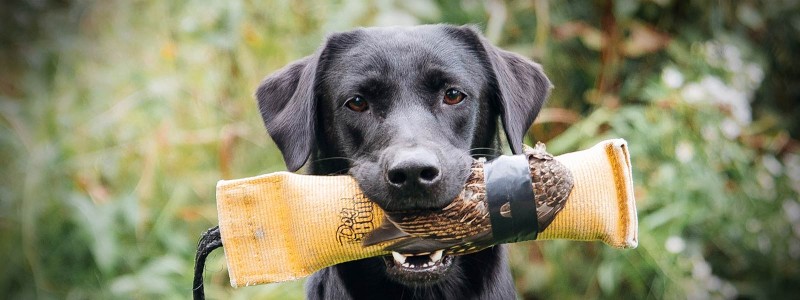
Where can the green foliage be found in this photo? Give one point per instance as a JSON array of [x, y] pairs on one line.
[[117, 118]]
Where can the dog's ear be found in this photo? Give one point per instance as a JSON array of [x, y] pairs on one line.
[[287, 105], [521, 88]]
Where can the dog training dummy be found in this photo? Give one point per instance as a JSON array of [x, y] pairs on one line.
[[283, 226]]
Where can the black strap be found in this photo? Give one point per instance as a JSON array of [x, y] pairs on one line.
[[208, 242], [508, 183]]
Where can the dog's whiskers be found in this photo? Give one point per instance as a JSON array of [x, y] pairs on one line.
[[331, 158], [488, 153], [487, 156], [491, 150], [340, 172]]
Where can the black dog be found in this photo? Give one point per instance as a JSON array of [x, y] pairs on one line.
[[403, 110]]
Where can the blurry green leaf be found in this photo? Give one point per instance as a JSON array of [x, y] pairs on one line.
[[99, 221]]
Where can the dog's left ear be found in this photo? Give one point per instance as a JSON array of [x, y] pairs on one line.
[[521, 88]]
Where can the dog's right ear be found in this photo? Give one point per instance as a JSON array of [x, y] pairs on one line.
[[287, 105]]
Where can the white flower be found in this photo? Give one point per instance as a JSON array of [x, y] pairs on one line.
[[733, 57], [672, 77], [675, 244], [730, 128], [755, 74], [694, 93], [701, 269], [684, 152]]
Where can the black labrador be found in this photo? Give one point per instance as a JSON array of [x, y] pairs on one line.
[[403, 110]]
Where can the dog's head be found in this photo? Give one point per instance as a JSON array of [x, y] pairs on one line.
[[402, 110]]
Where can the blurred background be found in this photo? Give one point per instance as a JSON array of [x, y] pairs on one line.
[[118, 117]]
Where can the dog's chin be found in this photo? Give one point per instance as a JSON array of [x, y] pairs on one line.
[[418, 270]]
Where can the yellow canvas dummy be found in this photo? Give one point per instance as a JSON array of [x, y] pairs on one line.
[[284, 226]]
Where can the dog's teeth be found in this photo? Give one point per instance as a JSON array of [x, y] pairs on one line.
[[407, 265], [436, 256], [399, 258], [426, 265]]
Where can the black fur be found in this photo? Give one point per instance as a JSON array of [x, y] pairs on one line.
[[403, 74]]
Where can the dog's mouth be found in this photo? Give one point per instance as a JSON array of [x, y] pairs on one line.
[[419, 268]]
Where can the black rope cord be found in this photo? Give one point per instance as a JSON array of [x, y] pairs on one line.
[[208, 242]]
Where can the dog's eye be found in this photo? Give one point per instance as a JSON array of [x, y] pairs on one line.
[[453, 96], [357, 104]]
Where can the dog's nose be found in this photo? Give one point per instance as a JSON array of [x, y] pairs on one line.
[[414, 167]]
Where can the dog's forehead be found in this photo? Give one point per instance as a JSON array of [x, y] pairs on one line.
[[408, 51]]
